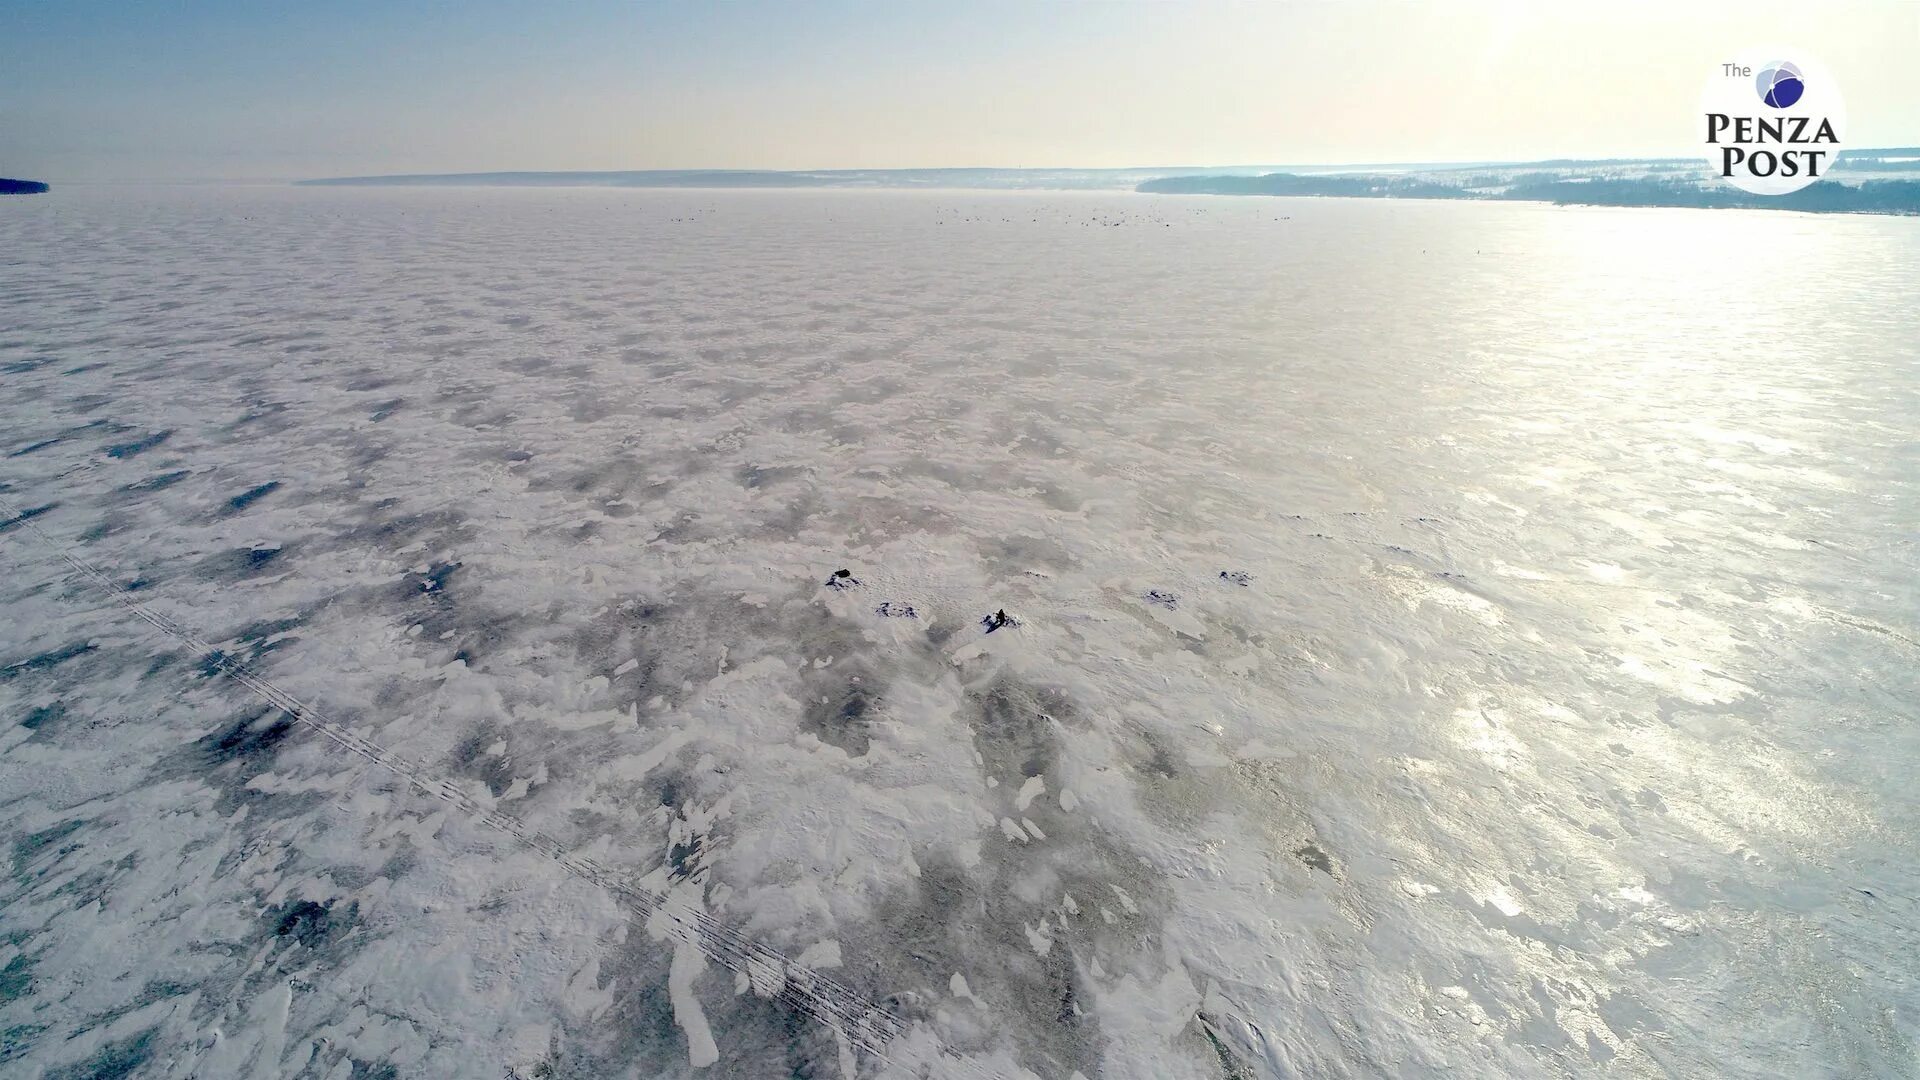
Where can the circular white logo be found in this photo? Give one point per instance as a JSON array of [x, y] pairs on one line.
[[1772, 120]]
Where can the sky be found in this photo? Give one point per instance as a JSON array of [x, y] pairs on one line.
[[268, 89]]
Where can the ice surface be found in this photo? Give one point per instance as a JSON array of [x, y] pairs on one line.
[[1453, 639]]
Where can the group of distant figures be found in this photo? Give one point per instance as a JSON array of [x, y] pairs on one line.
[[1000, 620]]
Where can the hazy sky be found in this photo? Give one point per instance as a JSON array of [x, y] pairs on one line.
[[246, 89]]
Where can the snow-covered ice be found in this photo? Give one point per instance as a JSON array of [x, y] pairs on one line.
[[1451, 639]]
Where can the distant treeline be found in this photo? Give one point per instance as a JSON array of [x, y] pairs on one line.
[[1825, 196], [1822, 196], [21, 187]]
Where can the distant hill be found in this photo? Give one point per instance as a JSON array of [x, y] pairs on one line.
[[21, 187]]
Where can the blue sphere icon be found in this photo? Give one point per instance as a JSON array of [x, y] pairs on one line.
[[1780, 84]]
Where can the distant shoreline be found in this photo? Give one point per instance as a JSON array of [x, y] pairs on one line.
[[1895, 197], [1880, 181]]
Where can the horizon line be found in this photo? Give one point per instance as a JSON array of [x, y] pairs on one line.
[[1461, 163]]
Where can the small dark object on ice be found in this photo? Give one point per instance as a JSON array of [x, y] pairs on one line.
[[1163, 598], [1237, 577], [891, 610], [842, 579], [998, 619]]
